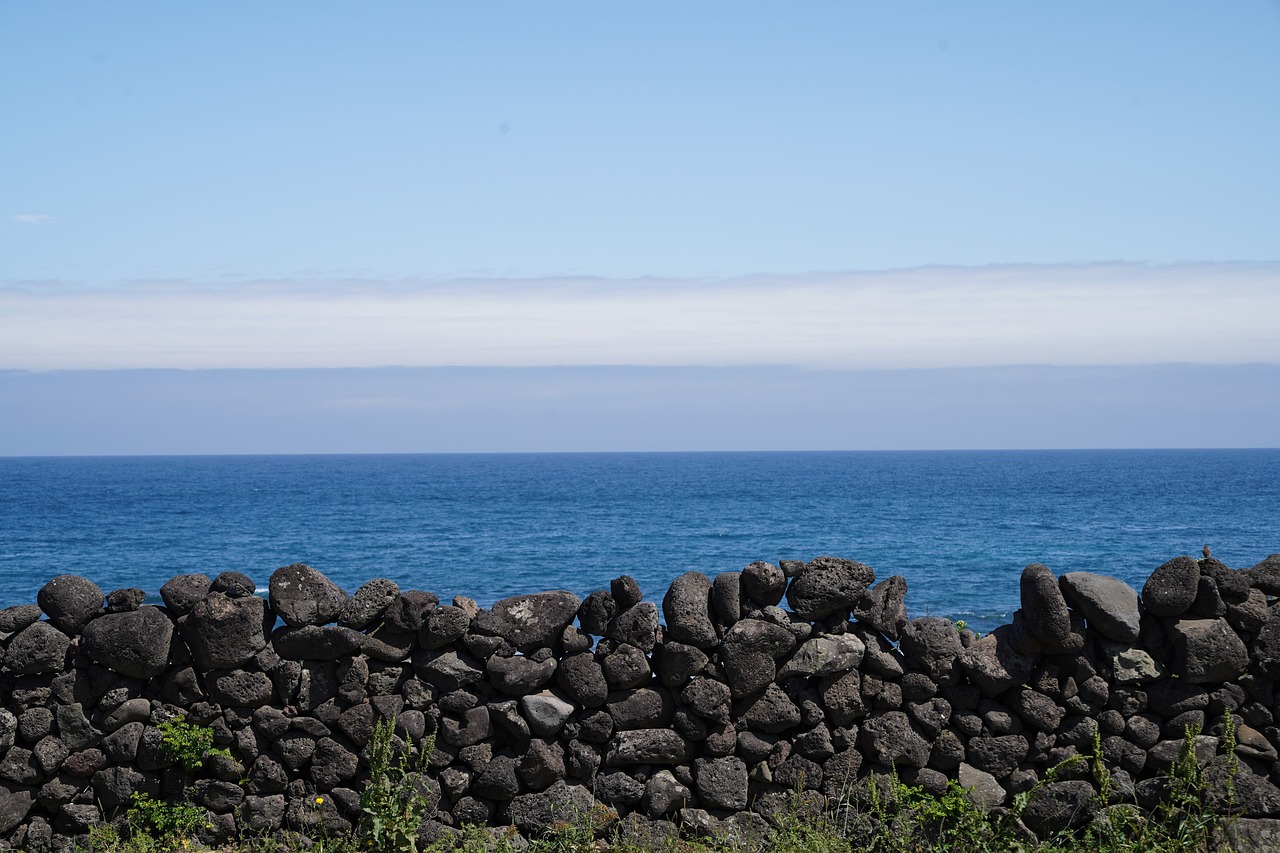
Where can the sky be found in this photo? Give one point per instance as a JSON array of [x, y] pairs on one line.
[[423, 227]]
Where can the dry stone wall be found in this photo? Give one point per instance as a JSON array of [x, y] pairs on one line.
[[711, 707]]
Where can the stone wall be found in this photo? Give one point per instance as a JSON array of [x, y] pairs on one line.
[[712, 708]]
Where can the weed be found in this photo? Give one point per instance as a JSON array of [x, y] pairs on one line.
[[396, 799], [169, 825]]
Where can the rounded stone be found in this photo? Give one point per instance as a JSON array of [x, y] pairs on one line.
[[828, 585], [70, 601], [300, 596], [181, 593], [134, 643], [686, 608], [1171, 589]]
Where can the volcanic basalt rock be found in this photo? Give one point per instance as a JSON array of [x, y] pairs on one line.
[[715, 718]]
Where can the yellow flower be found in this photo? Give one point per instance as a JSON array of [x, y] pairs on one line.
[[319, 800]]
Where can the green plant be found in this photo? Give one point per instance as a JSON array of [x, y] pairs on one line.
[[168, 824], [187, 743], [397, 798]]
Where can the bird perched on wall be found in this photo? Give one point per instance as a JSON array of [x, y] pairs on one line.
[[1206, 552]]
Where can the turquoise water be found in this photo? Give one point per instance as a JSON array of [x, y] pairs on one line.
[[958, 525]]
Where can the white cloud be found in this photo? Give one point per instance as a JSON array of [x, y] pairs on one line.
[[926, 317], [33, 218]]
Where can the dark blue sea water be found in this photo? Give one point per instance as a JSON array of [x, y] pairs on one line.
[[959, 526]]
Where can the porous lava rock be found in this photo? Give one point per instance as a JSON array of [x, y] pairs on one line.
[[365, 608], [181, 593], [535, 621], [828, 585], [224, 632], [1171, 589], [134, 643], [1207, 651], [70, 601], [749, 652], [1044, 606], [685, 608], [36, 649], [884, 606]]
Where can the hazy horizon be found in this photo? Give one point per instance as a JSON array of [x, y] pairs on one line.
[[267, 228]]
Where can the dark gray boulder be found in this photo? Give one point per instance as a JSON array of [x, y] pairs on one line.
[[371, 600], [332, 764], [1266, 646], [998, 755], [224, 632], [240, 688], [134, 643], [890, 741], [685, 607], [884, 606], [676, 663], [749, 653], [1036, 710], [640, 709], [828, 585], [647, 746], [772, 711], [626, 667], [726, 598], [498, 781], [234, 585], [1059, 805], [37, 648], [519, 675], [386, 645], [824, 655], [442, 626], [535, 621], [664, 794], [1266, 575], [582, 677], [541, 764], [595, 612], [994, 664], [636, 625], [14, 619], [707, 698], [537, 812], [1233, 584], [842, 697], [721, 782], [15, 804], [300, 596], [125, 600], [618, 787], [1109, 605], [181, 593], [448, 669], [932, 644], [1171, 589], [70, 601], [1043, 605], [406, 613], [1207, 651], [763, 583], [317, 642], [626, 592]]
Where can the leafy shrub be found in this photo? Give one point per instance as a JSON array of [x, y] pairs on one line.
[[187, 743]]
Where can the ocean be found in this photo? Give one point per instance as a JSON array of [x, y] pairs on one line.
[[958, 525]]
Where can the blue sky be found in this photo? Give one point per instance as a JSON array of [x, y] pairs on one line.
[[846, 190]]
